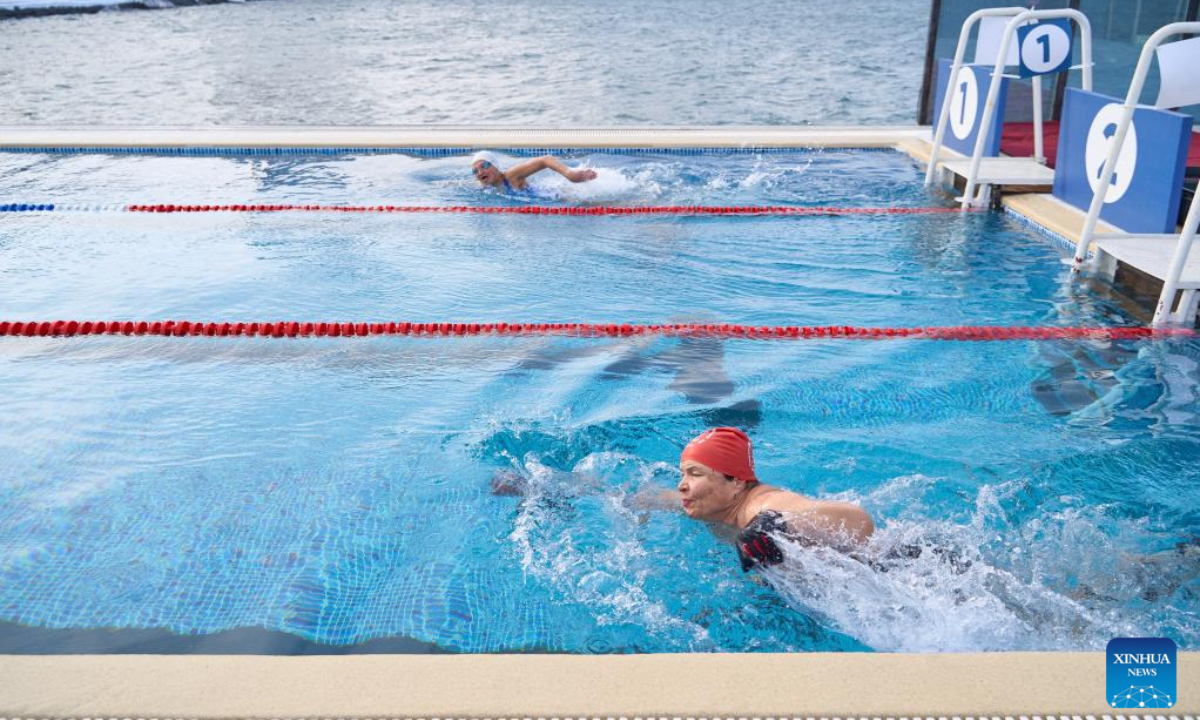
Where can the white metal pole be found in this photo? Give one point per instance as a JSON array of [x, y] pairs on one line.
[[1085, 31], [948, 95], [1039, 153], [1166, 298], [1114, 149], [1085, 46], [989, 107], [1106, 173]]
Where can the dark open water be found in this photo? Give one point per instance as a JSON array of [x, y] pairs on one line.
[[521, 62]]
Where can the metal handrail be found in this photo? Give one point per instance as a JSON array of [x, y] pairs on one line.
[[1170, 283], [944, 116], [989, 108], [1118, 141], [1162, 312]]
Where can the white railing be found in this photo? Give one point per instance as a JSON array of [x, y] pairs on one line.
[[964, 36], [1114, 147], [989, 108], [1019, 17], [1162, 312]]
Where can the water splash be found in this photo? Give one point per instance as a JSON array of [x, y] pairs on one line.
[[599, 563], [1071, 577]]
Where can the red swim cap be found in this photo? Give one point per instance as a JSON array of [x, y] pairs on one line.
[[724, 449]]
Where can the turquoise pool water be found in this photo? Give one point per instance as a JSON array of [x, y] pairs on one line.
[[335, 493]]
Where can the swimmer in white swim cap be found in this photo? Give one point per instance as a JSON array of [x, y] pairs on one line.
[[489, 171]]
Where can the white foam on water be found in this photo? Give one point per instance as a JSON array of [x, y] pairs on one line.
[[765, 174], [998, 575], [609, 185], [1054, 581], [606, 574]]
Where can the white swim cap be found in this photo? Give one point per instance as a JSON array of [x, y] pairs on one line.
[[487, 156]]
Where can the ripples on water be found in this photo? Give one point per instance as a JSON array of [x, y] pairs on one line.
[[521, 62], [339, 491]]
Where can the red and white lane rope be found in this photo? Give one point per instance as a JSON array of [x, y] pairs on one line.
[[186, 328], [489, 210]]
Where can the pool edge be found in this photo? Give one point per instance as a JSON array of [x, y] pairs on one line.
[[460, 136], [561, 686]]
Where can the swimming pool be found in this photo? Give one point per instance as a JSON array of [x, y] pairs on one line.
[[337, 491]]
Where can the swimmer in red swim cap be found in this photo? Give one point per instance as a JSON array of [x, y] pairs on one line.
[[718, 484]]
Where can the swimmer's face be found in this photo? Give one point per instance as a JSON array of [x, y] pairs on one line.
[[485, 172], [704, 492]]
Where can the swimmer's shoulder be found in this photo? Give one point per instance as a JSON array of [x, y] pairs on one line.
[[515, 182], [769, 497], [765, 499], [820, 518]]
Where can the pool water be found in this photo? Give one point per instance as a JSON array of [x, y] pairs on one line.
[[338, 491]]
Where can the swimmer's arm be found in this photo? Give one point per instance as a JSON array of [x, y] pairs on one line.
[[654, 499], [522, 171], [839, 525], [507, 482], [853, 521]]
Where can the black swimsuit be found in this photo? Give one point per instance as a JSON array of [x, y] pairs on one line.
[[756, 547], [755, 544]]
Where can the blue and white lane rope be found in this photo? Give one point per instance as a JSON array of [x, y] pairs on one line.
[[64, 207]]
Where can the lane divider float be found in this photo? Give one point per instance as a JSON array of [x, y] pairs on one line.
[[438, 152], [289, 329], [491, 210]]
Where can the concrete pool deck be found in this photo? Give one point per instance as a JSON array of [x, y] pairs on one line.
[[465, 136], [562, 686]]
